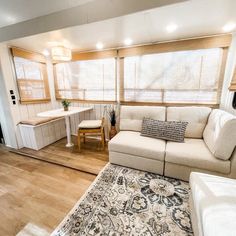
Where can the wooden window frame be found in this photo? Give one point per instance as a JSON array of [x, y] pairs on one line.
[[222, 41], [35, 57]]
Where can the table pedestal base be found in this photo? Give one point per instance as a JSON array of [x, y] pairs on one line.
[[69, 145]]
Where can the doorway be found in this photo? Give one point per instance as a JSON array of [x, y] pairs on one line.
[[1, 135]]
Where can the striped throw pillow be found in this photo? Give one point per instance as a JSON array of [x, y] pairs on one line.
[[167, 130]]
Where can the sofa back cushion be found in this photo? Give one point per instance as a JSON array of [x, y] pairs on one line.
[[220, 134], [195, 116], [131, 117]]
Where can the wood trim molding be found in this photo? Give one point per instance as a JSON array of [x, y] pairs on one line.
[[78, 56], [232, 86], [87, 101], [121, 77], [35, 101], [17, 52], [168, 104], [222, 73], [221, 41]]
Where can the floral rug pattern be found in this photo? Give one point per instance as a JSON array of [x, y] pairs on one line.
[[124, 201]]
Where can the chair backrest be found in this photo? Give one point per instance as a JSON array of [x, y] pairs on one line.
[[131, 117]]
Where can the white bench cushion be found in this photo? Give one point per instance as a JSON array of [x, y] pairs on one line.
[[220, 134], [89, 124], [133, 143], [194, 153], [131, 117], [214, 201], [195, 116]]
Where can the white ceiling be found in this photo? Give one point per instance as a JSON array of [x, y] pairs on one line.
[[12, 12], [194, 18]]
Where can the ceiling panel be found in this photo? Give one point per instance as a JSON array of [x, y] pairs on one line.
[[194, 18], [12, 12]]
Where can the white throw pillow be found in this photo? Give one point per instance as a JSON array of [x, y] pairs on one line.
[[220, 134]]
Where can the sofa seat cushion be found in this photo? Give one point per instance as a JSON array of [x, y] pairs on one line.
[[194, 153], [131, 142], [214, 202]]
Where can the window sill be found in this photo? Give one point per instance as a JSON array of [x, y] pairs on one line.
[[177, 104], [35, 101], [87, 101]]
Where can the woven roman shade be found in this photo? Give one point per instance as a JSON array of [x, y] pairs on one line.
[[88, 77], [31, 76]]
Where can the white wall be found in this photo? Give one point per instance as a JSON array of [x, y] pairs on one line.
[[227, 96], [5, 115], [10, 114]]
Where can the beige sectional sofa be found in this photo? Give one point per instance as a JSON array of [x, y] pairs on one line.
[[209, 145]]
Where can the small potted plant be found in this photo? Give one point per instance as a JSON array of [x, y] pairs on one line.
[[65, 103], [112, 114]]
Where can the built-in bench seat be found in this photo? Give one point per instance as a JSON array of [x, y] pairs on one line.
[[37, 120], [38, 132]]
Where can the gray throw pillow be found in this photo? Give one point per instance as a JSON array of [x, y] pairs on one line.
[[167, 130]]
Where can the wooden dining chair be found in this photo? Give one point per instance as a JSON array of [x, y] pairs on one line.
[[91, 127]]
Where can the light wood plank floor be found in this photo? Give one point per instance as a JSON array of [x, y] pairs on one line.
[[91, 159], [36, 192]]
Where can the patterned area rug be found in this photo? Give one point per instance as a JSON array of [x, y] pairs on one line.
[[124, 201]]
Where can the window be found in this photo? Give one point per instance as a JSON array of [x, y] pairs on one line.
[[91, 80], [31, 80], [174, 77]]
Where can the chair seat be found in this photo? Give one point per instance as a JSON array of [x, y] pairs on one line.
[[90, 124]]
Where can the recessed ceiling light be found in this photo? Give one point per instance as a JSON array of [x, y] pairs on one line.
[[46, 53], [128, 41], [10, 18], [99, 45], [229, 27], [171, 28]]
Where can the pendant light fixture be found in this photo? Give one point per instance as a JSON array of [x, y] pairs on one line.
[[61, 53]]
